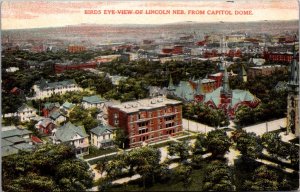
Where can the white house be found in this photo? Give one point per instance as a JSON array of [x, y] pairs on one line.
[[74, 135], [26, 113], [93, 102], [45, 89], [102, 136]]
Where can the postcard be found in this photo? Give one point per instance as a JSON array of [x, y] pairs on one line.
[[150, 95]]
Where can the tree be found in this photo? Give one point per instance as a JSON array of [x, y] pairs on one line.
[[73, 175], [183, 172], [263, 179], [179, 148], [121, 138], [219, 177], [218, 143], [145, 162], [48, 168], [247, 143]]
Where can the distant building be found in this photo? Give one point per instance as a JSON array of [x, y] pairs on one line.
[[147, 120], [284, 57], [61, 67], [26, 113], [93, 102], [44, 89], [76, 48], [106, 58], [102, 136], [57, 117], [67, 107], [257, 61], [45, 126], [50, 108], [265, 70], [73, 135]]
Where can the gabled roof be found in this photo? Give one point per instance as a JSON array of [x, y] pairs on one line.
[[93, 99], [45, 122], [68, 105], [185, 91], [24, 106], [15, 139], [68, 131], [54, 115], [8, 150], [5, 143], [100, 129], [14, 132], [44, 84], [50, 106], [24, 147], [214, 96]]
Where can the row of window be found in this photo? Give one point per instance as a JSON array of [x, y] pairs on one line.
[[146, 137], [143, 115]]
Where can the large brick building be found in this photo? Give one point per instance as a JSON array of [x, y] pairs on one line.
[[61, 67], [76, 48], [265, 70], [147, 120]]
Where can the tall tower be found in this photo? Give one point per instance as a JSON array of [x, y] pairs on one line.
[[226, 87], [243, 74], [171, 86], [293, 97]]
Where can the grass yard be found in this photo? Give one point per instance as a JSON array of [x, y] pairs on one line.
[[94, 152]]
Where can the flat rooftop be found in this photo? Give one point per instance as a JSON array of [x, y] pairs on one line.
[[267, 66], [145, 104]]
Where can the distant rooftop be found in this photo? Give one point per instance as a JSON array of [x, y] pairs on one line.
[[44, 84], [145, 104], [93, 99], [266, 66]]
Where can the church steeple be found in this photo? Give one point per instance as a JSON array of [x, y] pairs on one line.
[[226, 88], [171, 86]]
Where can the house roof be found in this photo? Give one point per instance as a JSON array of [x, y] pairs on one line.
[[45, 122], [44, 84], [15, 139], [36, 139], [68, 131], [100, 129], [68, 105], [14, 132], [8, 150], [24, 106], [54, 115], [24, 146], [93, 99], [5, 143], [51, 105], [185, 91]]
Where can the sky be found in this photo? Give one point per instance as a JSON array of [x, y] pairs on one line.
[[39, 14]]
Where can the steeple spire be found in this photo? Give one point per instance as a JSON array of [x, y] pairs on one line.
[[226, 88], [171, 86]]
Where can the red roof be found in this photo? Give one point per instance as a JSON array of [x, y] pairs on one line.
[[36, 139]]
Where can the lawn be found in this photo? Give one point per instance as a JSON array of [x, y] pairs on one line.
[[94, 152]]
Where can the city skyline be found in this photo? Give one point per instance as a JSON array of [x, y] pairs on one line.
[[41, 14]]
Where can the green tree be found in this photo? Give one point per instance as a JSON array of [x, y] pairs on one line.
[[179, 148], [263, 179], [73, 175], [183, 172], [48, 168], [218, 143], [219, 177], [247, 143]]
